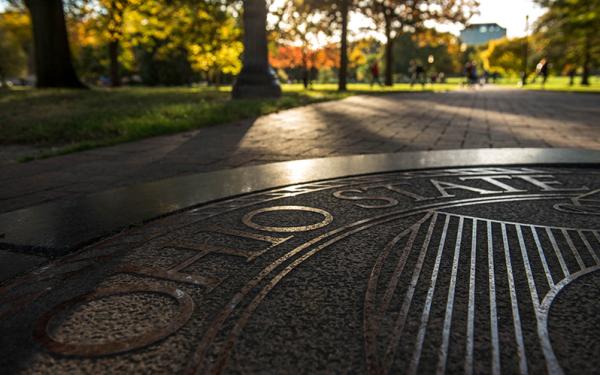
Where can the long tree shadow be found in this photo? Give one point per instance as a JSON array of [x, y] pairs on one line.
[[430, 118]]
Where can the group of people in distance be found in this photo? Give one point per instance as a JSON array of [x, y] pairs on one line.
[[541, 71], [417, 74], [473, 78]]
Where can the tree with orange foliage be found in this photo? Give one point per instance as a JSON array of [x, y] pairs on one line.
[[298, 27], [287, 56], [397, 16]]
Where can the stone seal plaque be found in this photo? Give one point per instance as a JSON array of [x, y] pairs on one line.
[[461, 270]]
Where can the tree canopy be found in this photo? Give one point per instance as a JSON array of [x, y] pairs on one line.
[[15, 45], [174, 42], [394, 17], [568, 33]]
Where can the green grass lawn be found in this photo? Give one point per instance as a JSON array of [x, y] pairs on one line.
[[555, 83], [63, 121], [365, 88]]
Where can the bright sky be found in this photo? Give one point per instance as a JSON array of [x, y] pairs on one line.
[[506, 13]]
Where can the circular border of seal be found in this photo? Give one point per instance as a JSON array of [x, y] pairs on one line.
[[42, 336]]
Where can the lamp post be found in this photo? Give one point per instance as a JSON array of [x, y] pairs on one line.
[[257, 79]]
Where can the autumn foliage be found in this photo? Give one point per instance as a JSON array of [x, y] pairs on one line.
[[287, 56]]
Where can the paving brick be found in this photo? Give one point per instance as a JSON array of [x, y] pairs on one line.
[[489, 117]]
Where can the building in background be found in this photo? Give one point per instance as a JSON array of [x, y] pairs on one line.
[[481, 33]]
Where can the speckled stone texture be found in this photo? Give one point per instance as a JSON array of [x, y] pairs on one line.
[[479, 270]]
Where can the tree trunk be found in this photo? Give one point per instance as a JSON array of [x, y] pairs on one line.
[[585, 76], [343, 73], [53, 65], [389, 53], [257, 79], [305, 76], [524, 73], [304, 67], [113, 53]]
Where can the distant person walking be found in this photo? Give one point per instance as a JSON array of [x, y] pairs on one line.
[[495, 77], [471, 73], [571, 72], [541, 70], [417, 73], [486, 76], [375, 74]]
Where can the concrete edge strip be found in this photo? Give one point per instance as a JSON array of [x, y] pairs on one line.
[[57, 228]]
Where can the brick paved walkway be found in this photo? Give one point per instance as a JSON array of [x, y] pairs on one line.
[[357, 125]]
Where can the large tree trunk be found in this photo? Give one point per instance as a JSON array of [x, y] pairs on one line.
[[343, 73], [53, 65], [113, 53], [585, 76], [256, 79], [389, 53]]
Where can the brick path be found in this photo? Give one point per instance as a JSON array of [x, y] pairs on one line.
[[357, 125]]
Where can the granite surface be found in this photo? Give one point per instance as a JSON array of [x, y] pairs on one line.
[[465, 270]]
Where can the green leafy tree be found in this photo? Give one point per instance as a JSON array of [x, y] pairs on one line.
[[216, 46], [12, 57], [166, 42], [573, 25], [206, 33], [444, 48], [113, 24], [15, 44], [109, 21], [504, 56]]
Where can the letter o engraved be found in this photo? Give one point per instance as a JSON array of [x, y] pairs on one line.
[[184, 301], [327, 219]]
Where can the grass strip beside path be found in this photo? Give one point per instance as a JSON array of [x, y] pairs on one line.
[[64, 121], [554, 83]]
